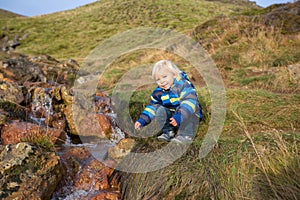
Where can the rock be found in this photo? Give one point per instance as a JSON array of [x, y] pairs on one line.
[[93, 176], [3, 117], [68, 112], [90, 124], [28, 172], [16, 132], [122, 149], [86, 177], [105, 125], [79, 154], [10, 91], [102, 103], [21, 69], [107, 195], [66, 96], [41, 68]]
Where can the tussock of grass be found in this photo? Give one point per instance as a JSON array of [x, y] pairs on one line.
[[231, 171], [282, 172], [40, 140]]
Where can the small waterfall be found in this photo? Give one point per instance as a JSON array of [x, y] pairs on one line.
[[117, 134], [41, 107], [68, 191]]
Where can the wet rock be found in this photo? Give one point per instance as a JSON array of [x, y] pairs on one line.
[[73, 158], [107, 195], [122, 149], [48, 104], [68, 112], [93, 176], [56, 121], [105, 125], [16, 132], [27, 172], [86, 177], [66, 95], [85, 121], [80, 154], [90, 124], [102, 103]]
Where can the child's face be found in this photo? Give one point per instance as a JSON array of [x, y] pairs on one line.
[[164, 78]]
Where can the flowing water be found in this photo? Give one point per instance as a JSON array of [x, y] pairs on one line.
[[41, 108]]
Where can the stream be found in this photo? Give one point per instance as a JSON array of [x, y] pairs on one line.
[[42, 108]]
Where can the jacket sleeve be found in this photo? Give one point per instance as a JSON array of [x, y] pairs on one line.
[[149, 112], [188, 103]]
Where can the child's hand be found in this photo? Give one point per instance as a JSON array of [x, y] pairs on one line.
[[173, 121], [137, 125]]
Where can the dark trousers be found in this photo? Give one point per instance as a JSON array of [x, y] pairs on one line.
[[187, 128]]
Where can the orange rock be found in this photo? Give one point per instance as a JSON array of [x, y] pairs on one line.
[[122, 149], [105, 125], [16, 132], [107, 195], [94, 175]]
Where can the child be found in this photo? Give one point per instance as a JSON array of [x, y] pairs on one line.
[[174, 103]]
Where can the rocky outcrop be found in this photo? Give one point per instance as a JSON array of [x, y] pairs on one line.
[[28, 172], [43, 68], [37, 107]]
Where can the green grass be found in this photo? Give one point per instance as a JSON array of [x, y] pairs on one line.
[[55, 34], [255, 157], [231, 171]]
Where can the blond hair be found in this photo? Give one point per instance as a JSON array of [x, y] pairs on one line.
[[165, 63]]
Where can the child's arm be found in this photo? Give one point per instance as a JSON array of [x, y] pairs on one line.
[[150, 111], [188, 104]]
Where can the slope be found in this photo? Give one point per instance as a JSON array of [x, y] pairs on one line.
[[74, 33]]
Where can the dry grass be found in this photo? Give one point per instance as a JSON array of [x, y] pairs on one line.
[[243, 168], [251, 54]]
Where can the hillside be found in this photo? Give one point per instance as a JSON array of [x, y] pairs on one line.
[[74, 33], [4, 14]]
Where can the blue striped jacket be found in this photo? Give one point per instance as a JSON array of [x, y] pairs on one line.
[[181, 98]]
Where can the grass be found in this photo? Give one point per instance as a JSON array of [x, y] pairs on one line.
[[255, 157], [41, 140], [231, 171], [249, 53]]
